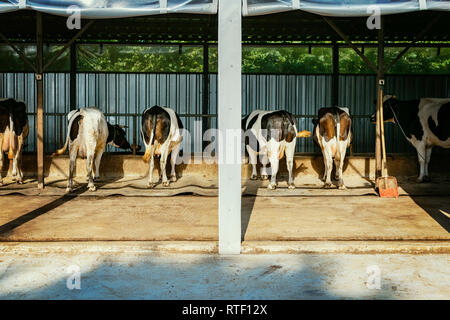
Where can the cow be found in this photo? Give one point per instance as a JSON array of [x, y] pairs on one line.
[[424, 122], [13, 133], [272, 135], [161, 133], [333, 134], [88, 132]]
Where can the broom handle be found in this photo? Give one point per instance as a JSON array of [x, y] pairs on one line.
[[383, 142]]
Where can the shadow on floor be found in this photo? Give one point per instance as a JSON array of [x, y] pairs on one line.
[[188, 277]]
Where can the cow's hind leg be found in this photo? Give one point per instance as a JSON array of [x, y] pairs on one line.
[[18, 177], [340, 168], [428, 151], [289, 153], [150, 182], [173, 162], [421, 154], [1, 159], [273, 148], [328, 162], [162, 164], [253, 159], [90, 169], [98, 159], [73, 151], [264, 160]]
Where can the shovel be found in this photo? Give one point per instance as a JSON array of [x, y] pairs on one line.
[[387, 185]]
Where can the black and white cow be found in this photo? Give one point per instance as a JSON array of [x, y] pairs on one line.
[[161, 132], [13, 133], [333, 134], [425, 123], [88, 132], [271, 134]]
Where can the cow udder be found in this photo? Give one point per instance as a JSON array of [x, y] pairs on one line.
[[6, 141]]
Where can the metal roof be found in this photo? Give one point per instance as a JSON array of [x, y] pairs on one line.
[[195, 28]]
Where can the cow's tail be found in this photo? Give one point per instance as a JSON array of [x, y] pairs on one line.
[[338, 135], [281, 150], [11, 137], [69, 127], [149, 148]]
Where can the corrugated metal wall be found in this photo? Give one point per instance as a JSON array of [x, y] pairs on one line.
[[129, 94], [359, 94]]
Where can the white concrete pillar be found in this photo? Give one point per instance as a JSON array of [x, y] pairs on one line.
[[229, 122]]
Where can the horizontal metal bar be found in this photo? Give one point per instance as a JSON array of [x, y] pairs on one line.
[[186, 115]]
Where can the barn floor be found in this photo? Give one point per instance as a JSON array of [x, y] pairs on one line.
[[108, 272], [317, 216]]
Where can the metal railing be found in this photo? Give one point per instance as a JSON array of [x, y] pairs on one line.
[[55, 135]]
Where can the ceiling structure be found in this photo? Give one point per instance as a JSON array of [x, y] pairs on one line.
[[280, 28]]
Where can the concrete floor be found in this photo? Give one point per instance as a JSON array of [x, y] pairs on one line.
[[26, 274], [187, 218]]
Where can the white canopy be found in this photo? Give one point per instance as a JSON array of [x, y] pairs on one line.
[[347, 8], [98, 9], [101, 9]]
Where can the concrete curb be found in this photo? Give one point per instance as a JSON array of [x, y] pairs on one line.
[[211, 247]]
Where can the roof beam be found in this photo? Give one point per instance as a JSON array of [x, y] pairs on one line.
[[411, 44], [347, 40], [21, 55], [68, 44]]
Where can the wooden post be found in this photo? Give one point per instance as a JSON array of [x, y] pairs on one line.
[[40, 101], [335, 76], [73, 76], [380, 84], [205, 101]]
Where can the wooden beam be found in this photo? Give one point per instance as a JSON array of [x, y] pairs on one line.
[[40, 101], [347, 40], [205, 100], [335, 76], [21, 55], [379, 86], [73, 76], [68, 44], [419, 36]]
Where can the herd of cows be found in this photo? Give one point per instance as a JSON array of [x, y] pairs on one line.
[[269, 135]]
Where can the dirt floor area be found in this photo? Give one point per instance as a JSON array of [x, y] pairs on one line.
[[187, 217]]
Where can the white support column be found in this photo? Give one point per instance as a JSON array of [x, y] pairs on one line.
[[229, 122]]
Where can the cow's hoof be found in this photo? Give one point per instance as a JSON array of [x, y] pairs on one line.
[[69, 190], [328, 185], [92, 188], [253, 177], [151, 185], [419, 180], [342, 187], [265, 177], [1, 184], [19, 181], [272, 186], [166, 183], [426, 179], [291, 186], [96, 178], [173, 179]]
